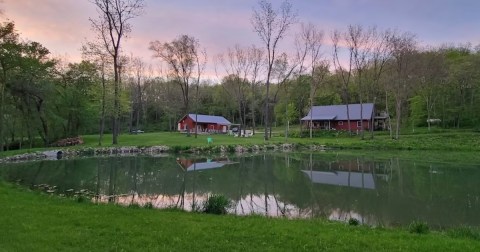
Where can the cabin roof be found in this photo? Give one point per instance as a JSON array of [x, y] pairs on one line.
[[339, 112], [209, 119]]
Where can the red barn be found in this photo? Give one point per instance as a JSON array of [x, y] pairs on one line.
[[335, 117], [204, 123]]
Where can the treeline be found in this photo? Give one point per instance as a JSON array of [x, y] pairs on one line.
[[44, 99]]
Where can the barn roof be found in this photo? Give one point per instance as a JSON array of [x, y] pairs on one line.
[[209, 119], [339, 112], [340, 178]]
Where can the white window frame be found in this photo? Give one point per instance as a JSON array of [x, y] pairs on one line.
[[340, 123], [359, 124]]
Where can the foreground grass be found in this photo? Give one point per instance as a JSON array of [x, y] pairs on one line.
[[32, 222]]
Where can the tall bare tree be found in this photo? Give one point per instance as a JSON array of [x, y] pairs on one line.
[[343, 73], [312, 37], [255, 58], [271, 26], [138, 78], [359, 42], [403, 48], [112, 26], [237, 66], [185, 62], [380, 54], [286, 67]]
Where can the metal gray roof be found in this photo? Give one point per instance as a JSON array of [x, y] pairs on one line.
[[205, 165], [340, 178], [339, 112], [210, 119]]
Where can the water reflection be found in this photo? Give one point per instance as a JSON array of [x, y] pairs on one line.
[[384, 191], [202, 164]]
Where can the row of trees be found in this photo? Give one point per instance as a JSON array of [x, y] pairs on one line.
[[46, 99]]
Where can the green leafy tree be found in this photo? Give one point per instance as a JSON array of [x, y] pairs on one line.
[[77, 98], [10, 52]]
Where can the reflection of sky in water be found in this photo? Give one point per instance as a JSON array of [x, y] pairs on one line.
[[254, 204]]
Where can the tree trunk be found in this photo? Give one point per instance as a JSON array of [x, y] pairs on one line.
[[2, 107], [398, 118], [267, 101], [253, 111], [240, 118], [116, 102], [102, 118], [388, 114]]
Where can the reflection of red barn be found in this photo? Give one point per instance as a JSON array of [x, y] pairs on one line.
[[335, 116], [204, 123]]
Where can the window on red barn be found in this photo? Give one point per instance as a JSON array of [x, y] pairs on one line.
[[340, 123]]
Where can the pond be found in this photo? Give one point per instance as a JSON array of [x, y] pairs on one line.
[[387, 190]]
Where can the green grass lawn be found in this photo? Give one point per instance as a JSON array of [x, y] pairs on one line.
[[421, 139], [174, 139], [31, 221], [461, 140]]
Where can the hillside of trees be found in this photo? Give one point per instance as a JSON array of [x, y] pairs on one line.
[[44, 99]]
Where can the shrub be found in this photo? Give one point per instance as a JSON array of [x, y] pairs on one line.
[[418, 227], [178, 148], [353, 222], [231, 148], [81, 199], [148, 205], [216, 204], [134, 206]]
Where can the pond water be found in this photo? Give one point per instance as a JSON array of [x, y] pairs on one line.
[[376, 191]]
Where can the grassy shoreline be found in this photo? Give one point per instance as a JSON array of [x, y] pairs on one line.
[[35, 221]]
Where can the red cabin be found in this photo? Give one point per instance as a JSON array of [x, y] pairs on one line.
[[334, 117], [204, 123]]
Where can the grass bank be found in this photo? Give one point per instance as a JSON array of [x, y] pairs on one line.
[[421, 139], [32, 222]]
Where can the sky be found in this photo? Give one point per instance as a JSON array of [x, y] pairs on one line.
[[63, 26]]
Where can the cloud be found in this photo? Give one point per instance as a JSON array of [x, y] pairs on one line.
[[62, 25], [59, 25]]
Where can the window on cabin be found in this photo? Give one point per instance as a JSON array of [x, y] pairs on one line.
[[340, 123], [359, 124]]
